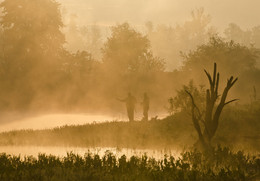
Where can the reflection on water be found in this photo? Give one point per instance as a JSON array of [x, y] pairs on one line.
[[62, 151]]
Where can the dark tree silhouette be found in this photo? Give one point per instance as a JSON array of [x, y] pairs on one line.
[[210, 120]]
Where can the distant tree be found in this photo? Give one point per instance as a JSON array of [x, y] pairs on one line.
[[256, 36], [83, 38], [197, 30], [149, 27], [94, 41], [74, 35], [235, 33], [168, 41], [249, 37], [206, 124], [129, 51]]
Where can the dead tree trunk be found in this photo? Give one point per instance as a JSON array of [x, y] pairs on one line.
[[210, 120]]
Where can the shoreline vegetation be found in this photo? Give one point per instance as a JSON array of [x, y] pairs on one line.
[[219, 164]]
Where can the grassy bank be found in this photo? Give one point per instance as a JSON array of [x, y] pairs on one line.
[[238, 129]]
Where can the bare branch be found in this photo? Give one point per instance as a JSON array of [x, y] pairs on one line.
[[209, 77], [214, 75], [192, 100], [195, 106], [234, 82], [231, 101], [194, 118], [217, 83]]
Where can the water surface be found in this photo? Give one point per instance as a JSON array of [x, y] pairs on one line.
[[62, 151]]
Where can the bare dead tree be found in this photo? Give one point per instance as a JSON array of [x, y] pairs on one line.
[[210, 120]]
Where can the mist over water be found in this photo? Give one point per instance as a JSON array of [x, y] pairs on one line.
[[49, 121], [54, 120]]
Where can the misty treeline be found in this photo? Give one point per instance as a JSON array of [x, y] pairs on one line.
[[39, 70]]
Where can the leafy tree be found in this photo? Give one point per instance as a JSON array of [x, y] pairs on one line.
[[230, 56], [129, 51], [32, 34], [31, 49]]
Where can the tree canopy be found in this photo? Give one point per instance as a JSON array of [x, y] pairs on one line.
[[129, 51], [232, 58], [31, 49]]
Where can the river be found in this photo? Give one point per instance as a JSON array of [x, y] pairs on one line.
[[62, 151]]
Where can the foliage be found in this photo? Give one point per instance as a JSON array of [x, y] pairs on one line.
[[222, 164], [230, 56], [247, 37], [182, 102]]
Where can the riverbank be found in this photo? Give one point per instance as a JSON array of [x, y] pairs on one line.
[[173, 132]]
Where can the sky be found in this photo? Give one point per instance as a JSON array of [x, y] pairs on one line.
[[245, 13]]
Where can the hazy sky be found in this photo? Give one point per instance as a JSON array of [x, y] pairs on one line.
[[245, 13]]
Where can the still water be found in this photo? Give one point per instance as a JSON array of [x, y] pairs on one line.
[[62, 151], [57, 120]]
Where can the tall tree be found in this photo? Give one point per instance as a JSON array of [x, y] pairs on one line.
[[32, 33], [32, 43]]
